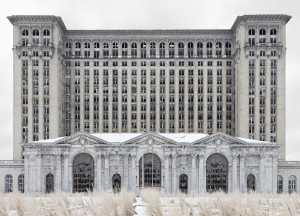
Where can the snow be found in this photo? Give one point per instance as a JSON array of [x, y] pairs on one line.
[[252, 140], [116, 137], [140, 207], [49, 140], [184, 137]]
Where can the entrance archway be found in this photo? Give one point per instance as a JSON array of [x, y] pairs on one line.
[[83, 173], [216, 173], [250, 183], [150, 171], [183, 183], [116, 183]]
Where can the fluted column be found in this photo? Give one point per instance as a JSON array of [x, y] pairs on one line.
[[106, 156], [242, 173], [66, 171], [58, 173], [134, 176], [201, 174], [194, 179], [234, 172], [167, 181], [126, 171], [26, 171], [262, 173], [174, 174], [39, 172], [99, 170]]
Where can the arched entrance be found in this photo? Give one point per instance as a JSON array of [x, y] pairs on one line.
[[116, 183], [183, 183], [250, 183], [216, 173], [49, 183], [150, 171], [83, 173]]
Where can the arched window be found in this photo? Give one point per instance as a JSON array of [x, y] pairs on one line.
[[87, 52], [150, 171], [115, 47], [77, 49], [116, 183], [199, 49], [21, 183], [183, 183], [83, 173], [8, 183], [162, 50], [68, 49], [143, 50], [124, 49], [152, 50], [46, 32], [190, 49], [49, 183], [25, 37], [216, 173], [228, 49], [250, 183], [251, 37], [181, 50], [262, 36], [219, 49], [279, 184], [209, 49], [96, 49], [35, 37], [292, 184], [273, 36], [133, 50], [171, 50], [105, 50]]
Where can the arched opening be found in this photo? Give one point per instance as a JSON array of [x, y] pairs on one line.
[[8, 183], [150, 171], [116, 183], [279, 184], [292, 184], [83, 173], [49, 183], [183, 183], [250, 183], [216, 173]]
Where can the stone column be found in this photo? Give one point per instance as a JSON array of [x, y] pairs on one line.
[[174, 175], [262, 173], [30, 174], [106, 185], [38, 173], [242, 173], [99, 170], [66, 171], [26, 172], [234, 172], [201, 174], [58, 173], [134, 176], [194, 178], [167, 182], [274, 177], [125, 177]]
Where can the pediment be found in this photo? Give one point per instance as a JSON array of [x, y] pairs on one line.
[[150, 139], [219, 139], [82, 138]]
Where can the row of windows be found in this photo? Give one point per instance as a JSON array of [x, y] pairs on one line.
[[292, 184], [8, 181]]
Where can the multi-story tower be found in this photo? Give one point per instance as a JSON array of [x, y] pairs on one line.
[[192, 81]]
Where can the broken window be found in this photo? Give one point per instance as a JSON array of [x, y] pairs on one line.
[[49, 183], [150, 171], [190, 49], [8, 183], [251, 37], [183, 183], [219, 49], [279, 184], [124, 49], [143, 50], [262, 36], [180, 50], [273, 36], [133, 50], [115, 47], [250, 183], [105, 50], [83, 173], [116, 183], [228, 49], [162, 51], [209, 49], [152, 50], [171, 50]]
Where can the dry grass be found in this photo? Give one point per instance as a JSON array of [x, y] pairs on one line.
[[65, 204]]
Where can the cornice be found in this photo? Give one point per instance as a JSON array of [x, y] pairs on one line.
[[260, 17], [25, 19]]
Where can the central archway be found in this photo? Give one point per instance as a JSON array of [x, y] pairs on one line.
[[83, 173], [216, 173], [150, 171]]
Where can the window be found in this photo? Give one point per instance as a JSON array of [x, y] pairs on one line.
[[251, 37], [150, 171], [133, 50], [21, 183], [279, 184], [292, 184], [8, 183], [162, 47], [209, 49], [171, 50], [199, 49], [250, 183], [273, 36], [262, 36], [190, 49], [219, 49], [83, 173], [143, 50], [49, 183], [228, 49]]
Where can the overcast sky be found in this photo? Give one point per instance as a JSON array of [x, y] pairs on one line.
[[151, 14]]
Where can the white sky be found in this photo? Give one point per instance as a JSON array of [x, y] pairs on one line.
[[151, 14]]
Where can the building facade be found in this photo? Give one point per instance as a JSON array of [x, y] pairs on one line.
[[176, 110], [165, 81]]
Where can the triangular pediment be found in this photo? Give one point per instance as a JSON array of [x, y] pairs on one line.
[[149, 139], [82, 138], [219, 139]]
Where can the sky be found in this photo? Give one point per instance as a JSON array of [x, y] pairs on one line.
[[151, 14]]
